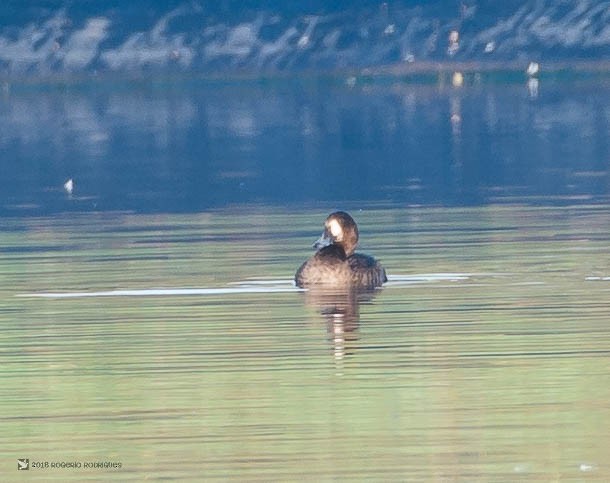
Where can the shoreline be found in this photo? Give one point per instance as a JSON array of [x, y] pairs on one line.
[[424, 72]]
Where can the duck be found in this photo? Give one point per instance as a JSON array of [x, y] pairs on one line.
[[335, 264]]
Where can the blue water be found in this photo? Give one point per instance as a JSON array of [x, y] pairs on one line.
[[191, 145]]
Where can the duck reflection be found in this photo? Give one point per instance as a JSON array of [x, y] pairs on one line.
[[341, 312]]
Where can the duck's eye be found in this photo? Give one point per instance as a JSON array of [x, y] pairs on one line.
[[335, 228]]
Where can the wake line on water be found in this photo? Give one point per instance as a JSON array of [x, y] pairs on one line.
[[243, 287], [161, 292]]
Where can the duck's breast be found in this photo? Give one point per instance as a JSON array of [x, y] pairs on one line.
[[328, 267]]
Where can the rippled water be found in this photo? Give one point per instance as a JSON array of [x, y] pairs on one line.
[[148, 316], [484, 358], [192, 145]]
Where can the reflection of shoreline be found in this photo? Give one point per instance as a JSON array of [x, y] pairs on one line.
[[196, 145]]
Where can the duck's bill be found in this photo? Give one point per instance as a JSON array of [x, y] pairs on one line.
[[322, 242]]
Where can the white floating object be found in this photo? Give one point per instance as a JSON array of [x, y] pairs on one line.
[[454, 42], [390, 29], [458, 79], [69, 186], [303, 41], [490, 47], [533, 69]]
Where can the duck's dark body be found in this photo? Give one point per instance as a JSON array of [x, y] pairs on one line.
[[336, 265]]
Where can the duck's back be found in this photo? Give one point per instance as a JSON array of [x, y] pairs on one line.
[[366, 272]]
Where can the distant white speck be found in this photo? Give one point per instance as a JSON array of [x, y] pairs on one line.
[[350, 81], [69, 186], [390, 29], [458, 79], [303, 41], [490, 47], [586, 467], [532, 69], [454, 42], [521, 468], [410, 58]]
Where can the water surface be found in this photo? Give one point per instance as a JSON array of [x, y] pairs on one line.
[[191, 145], [148, 316], [484, 358]]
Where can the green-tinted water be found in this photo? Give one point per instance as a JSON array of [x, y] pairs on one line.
[[493, 366]]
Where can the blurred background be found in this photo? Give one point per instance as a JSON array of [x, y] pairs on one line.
[[178, 106]]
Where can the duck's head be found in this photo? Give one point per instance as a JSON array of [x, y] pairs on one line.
[[339, 229]]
